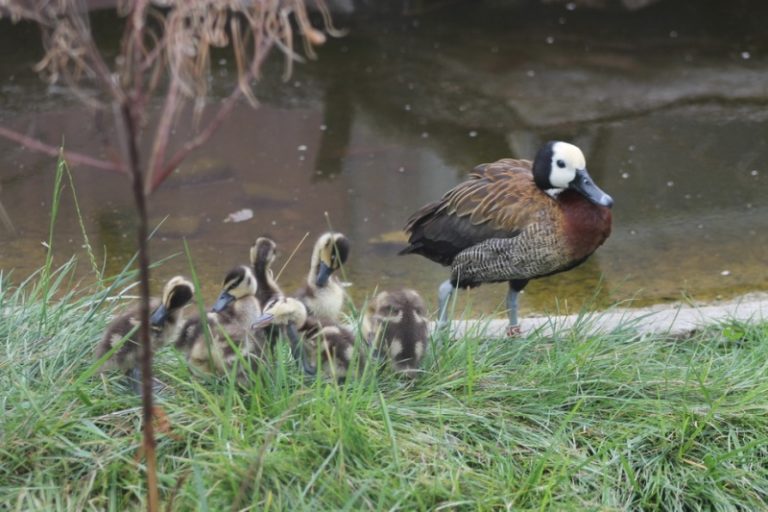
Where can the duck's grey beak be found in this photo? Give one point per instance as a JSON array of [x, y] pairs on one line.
[[584, 185], [159, 315], [222, 302], [263, 321], [323, 274]]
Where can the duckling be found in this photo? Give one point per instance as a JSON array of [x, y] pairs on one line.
[[503, 225], [263, 253], [333, 344], [323, 294], [166, 316], [289, 314], [395, 324], [231, 317]]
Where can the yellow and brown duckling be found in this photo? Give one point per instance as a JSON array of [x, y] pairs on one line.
[[323, 295], [166, 315], [263, 254], [290, 316], [503, 225], [332, 345], [396, 325], [229, 320]]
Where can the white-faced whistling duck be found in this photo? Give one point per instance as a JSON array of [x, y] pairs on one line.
[[323, 295], [502, 225], [165, 318], [396, 325], [231, 317]]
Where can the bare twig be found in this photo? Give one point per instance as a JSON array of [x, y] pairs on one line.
[[72, 156]]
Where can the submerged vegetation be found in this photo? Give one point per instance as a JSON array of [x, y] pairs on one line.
[[611, 421]]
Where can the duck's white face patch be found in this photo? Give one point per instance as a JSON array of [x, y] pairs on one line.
[[566, 160]]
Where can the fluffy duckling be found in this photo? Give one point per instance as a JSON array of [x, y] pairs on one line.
[[395, 324], [287, 314], [323, 294], [263, 253], [231, 317], [166, 316], [333, 345]]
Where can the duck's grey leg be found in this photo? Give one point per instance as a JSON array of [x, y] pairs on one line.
[[515, 287], [295, 341], [512, 306], [132, 380], [444, 293]]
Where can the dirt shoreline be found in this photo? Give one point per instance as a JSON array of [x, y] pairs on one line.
[[673, 319]]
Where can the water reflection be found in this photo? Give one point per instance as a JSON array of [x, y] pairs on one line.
[[397, 113]]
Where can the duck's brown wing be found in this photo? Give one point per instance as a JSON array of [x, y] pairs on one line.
[[497, 201]]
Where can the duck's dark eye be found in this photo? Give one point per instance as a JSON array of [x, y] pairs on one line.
[[561, 164]]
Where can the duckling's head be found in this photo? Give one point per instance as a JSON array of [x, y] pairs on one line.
[[238, 283], [282, 311], [177, 293], [263, 254], [390, 306], [560, 165], [330, 253]]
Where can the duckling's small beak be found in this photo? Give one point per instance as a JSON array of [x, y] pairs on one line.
[[223, 301], [159, 315], [584, 185], [263, 321], [323, 274]]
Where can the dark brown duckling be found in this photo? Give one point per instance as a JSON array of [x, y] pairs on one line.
[[396, 325], [323, 295], [263, 254], [503, 225], [166, 315], [229, 320]]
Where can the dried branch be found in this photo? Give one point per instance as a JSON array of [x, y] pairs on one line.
[[71, 156]]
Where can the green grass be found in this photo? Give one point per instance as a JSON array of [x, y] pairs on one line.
[[617, 421]]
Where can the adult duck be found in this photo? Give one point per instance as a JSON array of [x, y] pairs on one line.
[[513, 220]]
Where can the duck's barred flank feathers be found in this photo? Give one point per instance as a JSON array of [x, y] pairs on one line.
[[536, 251]]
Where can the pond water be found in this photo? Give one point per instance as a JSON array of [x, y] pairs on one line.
[[669, 106]]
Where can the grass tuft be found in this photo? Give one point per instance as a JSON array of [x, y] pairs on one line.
[[617, 421]]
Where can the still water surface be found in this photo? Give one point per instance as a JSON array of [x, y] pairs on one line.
[[668, 105]]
